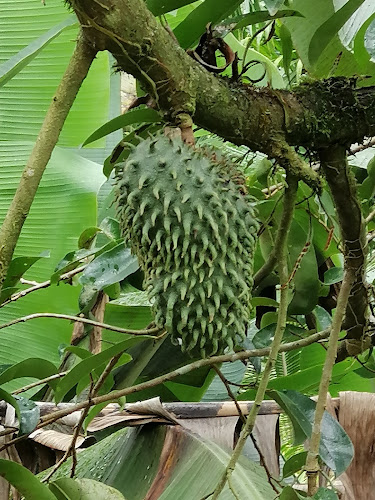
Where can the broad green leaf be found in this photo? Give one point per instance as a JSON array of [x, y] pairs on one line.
[[330, 28], [336, 449], [64, 206], [24, 481], [294, 464], [23, 103], [110, 267], [83, 489], [130, 460], [193, 26], [16, 63], [158, 7], [30, 367], [259, 16], [134, 116], [333, 275], [30, 413], [86, 366]]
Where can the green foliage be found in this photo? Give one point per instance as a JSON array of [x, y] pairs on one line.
[[194, 234]]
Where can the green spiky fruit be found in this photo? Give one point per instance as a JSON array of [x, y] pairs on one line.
[[193, 231]]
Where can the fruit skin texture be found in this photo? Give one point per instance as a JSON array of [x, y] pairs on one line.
[[193, 232]]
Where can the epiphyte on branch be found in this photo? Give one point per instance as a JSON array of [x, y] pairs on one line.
[[193, 230]]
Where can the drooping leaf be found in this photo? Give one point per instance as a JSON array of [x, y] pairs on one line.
[[325, 494], [289, 493], [134, 116], [24, 481], [255, 17], [16, 63], [5, 396], [333, 275], [158, 8]]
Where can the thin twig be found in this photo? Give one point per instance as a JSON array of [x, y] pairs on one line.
[[40, 382], [285, 223], [230, 393], [81, 320], [290, 346], [39, 286], [312, 462]]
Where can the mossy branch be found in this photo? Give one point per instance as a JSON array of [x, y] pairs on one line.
[[312, 463], [289, 201], [46, 141]]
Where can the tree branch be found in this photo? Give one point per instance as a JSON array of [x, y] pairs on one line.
[[63, 100], [344, 192]]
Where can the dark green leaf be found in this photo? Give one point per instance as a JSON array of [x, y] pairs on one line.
[[210, 11], [326, 31], [16, 63], [287, 47], [325, 494], [294, 464], [83, 489], [24, 481], [87, 236], [263, 337], [333, 275], [264, 301], [134, 116], [259, 16], [30, 414], [323, 317], [336, 449], [89, 364]]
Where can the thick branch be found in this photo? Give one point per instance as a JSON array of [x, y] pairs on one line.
[[49, 133], [344, 192], [316, 115]]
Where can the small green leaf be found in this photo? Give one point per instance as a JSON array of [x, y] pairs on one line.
[[333, 275], [5, 396], [263, 337], [323, 317], [111, 228], [326, 31], [289, 493], [24, 481], [134, 116], [110, 267], [83, 489], [30, 414], [294, 464], [87, 237], [158, 7]]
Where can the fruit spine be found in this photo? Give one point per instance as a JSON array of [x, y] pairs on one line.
[[193, 232]]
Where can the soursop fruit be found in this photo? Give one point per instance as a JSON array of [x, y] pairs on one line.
[[193, 230]]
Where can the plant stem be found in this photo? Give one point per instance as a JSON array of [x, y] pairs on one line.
[[289, 200], [312, 463], [62, 101]]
